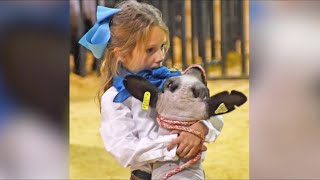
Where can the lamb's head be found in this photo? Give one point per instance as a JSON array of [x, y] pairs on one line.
[[184, 97]]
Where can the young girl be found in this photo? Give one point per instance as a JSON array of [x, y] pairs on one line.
[[133, 39]]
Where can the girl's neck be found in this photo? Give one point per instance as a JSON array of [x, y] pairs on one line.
[[123, 71]]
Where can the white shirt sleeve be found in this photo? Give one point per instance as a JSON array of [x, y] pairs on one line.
[[120, 137], [214, 125]]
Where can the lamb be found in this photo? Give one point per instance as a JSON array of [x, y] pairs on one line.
[[183, 100]]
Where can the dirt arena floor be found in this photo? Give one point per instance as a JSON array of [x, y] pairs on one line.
[[227, 158]]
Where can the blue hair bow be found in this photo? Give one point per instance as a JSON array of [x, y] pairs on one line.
[[97, 38]]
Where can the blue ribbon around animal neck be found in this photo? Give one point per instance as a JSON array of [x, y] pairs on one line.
[[97, 38], [156, 76]]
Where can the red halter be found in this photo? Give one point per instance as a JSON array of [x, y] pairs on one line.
[[182, 126]]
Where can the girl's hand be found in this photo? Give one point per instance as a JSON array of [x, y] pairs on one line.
[[188, 143]]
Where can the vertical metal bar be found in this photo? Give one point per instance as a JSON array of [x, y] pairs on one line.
[[155, 3], [172, 28], [160, 7], [165, 17], [237, 18], [231, 28], [183, 34], [203, 32], [241, 24], [195, 33], [165, 11], [199, 26], [211, 27], [224, 36]]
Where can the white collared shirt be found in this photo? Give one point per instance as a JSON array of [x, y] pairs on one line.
[[130, 134]]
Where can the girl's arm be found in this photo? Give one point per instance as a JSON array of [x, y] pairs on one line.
[[214, 125], [189, 144], [120, 137]]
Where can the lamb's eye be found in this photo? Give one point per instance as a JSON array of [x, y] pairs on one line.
[[195, 92], [172, 86]]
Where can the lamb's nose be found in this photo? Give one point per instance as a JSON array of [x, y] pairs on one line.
[[201, 92]]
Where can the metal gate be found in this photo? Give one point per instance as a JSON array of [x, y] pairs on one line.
[[206, 32]]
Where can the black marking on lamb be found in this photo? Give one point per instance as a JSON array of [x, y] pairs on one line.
[[235, 98]]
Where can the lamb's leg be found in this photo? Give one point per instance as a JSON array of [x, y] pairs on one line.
[[160, 169]]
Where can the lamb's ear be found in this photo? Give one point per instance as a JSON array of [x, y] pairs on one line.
[[137, 86], [224, 102], [197, 71]]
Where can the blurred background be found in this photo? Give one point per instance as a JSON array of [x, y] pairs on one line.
[[212, 33], [285, 90], [34, 93]]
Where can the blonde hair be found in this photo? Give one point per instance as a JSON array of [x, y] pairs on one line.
[[129, 29]]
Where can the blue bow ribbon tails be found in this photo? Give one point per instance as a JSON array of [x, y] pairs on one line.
[[97, 38], [155, 76]]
